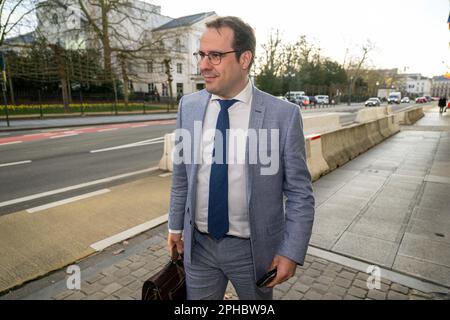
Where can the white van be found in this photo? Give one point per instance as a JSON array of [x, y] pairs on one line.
[[322, 99], [294, 96]]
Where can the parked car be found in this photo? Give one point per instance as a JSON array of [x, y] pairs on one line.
[[322, 99], [372, 102], [312, 100], [303, 101], [429, 98], [421, 100], [405, 100], [282, 98]]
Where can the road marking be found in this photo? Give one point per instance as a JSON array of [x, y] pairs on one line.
[[14, 163], [78, 186], [127, 234], [64, 136], [110, 129], [132, 145], [68, 200], [8, 143], [140, 126]]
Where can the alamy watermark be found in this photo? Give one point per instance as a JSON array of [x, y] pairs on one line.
[[263, 146], [73, 282], [374, 280]]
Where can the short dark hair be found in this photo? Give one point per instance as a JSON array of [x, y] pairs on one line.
[[244, 37]]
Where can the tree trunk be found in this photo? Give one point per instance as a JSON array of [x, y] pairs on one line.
[[125, 80], [169, 81], [62, 75], [11, 89]]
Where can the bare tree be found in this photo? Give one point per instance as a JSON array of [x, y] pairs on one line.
[[355, 64]]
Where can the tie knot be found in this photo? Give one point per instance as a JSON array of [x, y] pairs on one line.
[[225, 104]]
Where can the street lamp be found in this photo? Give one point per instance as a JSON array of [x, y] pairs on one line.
[[289, 76]]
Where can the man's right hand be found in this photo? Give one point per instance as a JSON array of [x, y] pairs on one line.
[[174, 241]]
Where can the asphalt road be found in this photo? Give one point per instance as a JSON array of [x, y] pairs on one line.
[[54, 159]]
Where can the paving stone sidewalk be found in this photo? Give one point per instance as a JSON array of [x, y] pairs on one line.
[[318, 279]]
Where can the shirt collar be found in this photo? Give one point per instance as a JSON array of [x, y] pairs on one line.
[[244, 96]]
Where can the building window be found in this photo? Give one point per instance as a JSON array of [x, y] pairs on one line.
[[130, 85], [165, 91], [178, 44], [179, 68], [150, 66], [180, 90], [151, 87]]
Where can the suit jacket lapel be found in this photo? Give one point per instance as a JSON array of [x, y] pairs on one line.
[[257, 111], [199, 111]]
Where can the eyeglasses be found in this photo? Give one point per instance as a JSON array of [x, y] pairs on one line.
[[214, 57]]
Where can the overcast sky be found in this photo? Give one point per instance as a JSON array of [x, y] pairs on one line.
[[411, 35]]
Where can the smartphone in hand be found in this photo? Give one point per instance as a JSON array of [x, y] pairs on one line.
[[266, 278]]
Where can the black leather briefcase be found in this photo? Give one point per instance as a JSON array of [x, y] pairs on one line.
[[167, 284]]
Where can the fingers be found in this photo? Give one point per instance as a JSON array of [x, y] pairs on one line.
[[285, 270]]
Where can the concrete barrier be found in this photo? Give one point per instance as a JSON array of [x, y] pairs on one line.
[[166, 162], [372, 113], [314, 158], [329, 150], [322, 123], [409, 116]]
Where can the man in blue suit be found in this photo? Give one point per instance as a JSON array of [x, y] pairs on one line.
[[235, 220]]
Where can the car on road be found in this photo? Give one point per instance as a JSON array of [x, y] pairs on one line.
[[372, 102], [322, 99], [303, 101], [405, 100], [293, 96], [282, 98], [312, 100], [421, 100], [394, 97], [429, 98]]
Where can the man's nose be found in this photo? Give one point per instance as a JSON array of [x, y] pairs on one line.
[[205, 64]]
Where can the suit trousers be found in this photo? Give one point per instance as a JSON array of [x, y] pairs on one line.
[[215, 262]]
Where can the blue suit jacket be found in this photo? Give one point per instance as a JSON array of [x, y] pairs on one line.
[[276, 227]]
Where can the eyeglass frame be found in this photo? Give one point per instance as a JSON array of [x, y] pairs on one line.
[[198, 55]]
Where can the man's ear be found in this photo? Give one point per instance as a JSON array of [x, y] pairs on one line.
[[245, 59]]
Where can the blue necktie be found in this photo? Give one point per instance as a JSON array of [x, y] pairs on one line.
[[218, 223]]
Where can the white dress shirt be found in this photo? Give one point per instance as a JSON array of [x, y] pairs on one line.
[[239, 115]]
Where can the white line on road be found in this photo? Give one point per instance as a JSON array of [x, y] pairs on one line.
[[105, 243], [68, 200], [8, 143], [110, 129], [132, 145], [78, 186], [64, 136], [14, 163]]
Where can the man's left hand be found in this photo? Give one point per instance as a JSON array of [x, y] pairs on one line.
[[285, 270]]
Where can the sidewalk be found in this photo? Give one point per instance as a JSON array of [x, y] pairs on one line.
[[37, 124], [388, 207]]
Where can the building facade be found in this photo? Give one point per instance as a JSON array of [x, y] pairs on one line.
[[440, 87], [158, 50]]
